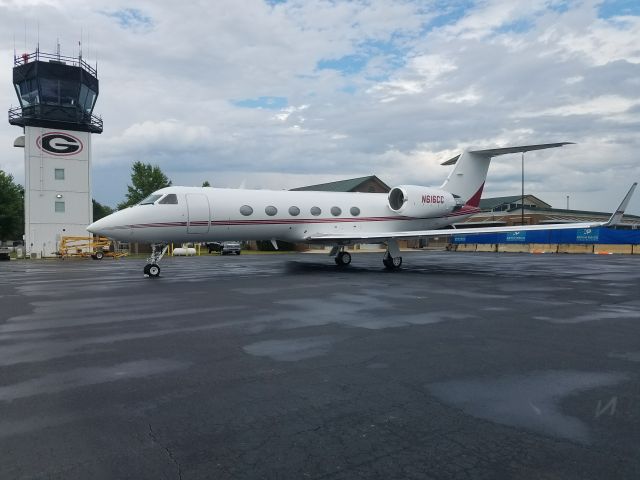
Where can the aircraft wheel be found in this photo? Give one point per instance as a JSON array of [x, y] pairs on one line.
[[146, 268], [343, 259], [154, 271], [99, 255], [392, 263]]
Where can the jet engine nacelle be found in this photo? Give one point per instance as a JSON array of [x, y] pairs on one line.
[[421, 202]]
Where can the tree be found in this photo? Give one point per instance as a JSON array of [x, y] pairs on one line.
[[146, 179], [100, 211], [11, 208], [206, 183]]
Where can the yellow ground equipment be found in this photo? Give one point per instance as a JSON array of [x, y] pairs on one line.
[[94, 247]]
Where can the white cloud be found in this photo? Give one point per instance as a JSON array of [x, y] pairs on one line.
[[605, 105]]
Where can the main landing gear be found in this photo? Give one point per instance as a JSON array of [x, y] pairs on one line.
[[341, 257], [152, 269], [392, 259]]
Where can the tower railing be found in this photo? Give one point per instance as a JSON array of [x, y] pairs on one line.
[[16, 114], [54, 57]]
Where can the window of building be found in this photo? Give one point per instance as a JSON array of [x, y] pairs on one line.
[[336, 211], [246, 210], [170, 199], [315, 211], [59, 206], [355, 211], [294, 211], [59, 173], [271, 210]]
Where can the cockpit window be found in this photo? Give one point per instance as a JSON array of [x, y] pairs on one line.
[[150, 199], [170, 199]]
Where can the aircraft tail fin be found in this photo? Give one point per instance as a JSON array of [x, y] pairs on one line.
[[467, 178]]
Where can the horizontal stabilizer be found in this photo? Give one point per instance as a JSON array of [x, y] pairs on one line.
[[494, 152]]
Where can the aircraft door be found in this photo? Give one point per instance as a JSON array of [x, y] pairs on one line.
[[198, 212]]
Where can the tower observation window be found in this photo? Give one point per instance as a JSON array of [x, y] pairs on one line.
[[59, 92], [87, 98], [28, 92]]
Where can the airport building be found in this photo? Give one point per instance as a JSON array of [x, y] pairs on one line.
[[57, 95], [370, 184]]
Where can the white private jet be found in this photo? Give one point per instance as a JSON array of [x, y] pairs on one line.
[[193, 214]]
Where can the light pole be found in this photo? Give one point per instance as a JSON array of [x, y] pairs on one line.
[[522, 191]]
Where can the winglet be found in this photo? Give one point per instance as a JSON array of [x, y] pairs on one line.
[[616, 217]]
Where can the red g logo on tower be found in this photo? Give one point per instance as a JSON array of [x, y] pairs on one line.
[[59, 144]]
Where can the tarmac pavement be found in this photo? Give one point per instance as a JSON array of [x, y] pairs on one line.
[[460, 365]]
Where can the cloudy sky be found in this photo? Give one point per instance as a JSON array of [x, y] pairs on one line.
[[280, 94]]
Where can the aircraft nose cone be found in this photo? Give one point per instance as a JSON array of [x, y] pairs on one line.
[[97, 227]]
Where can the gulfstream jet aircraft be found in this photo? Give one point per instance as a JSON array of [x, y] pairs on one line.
[[192, 214]]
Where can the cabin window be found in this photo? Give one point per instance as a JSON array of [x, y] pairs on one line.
[[271, 210], [170, 199], [59, 207], [246, 210], [58, 173], [355, 211], [336, 211], [150, 199], [294, 211], [315, 211]]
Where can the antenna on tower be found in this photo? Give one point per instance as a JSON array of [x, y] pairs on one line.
[[80, 46]]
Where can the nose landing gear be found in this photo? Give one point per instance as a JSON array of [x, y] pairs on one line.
[[152, 269]]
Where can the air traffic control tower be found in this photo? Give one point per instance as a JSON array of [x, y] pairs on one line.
[[57, 95]]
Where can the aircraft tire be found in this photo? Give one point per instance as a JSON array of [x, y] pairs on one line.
[[146, 268], [343, 259], [391, 263], [154, 271]]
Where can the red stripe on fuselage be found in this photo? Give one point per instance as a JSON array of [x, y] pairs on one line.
[[221, 223]]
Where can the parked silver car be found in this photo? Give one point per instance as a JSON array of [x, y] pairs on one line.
[[230, 247]]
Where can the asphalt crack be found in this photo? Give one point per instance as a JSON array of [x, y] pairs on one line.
[[169, 453]]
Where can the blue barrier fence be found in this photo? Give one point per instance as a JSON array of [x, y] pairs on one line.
[[575, 235]]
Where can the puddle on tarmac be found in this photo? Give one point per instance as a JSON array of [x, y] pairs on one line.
[[291, 350], [528, 401], [630, 356], [59, 382]]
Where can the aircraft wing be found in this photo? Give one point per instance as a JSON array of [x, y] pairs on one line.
[[615, 219]]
